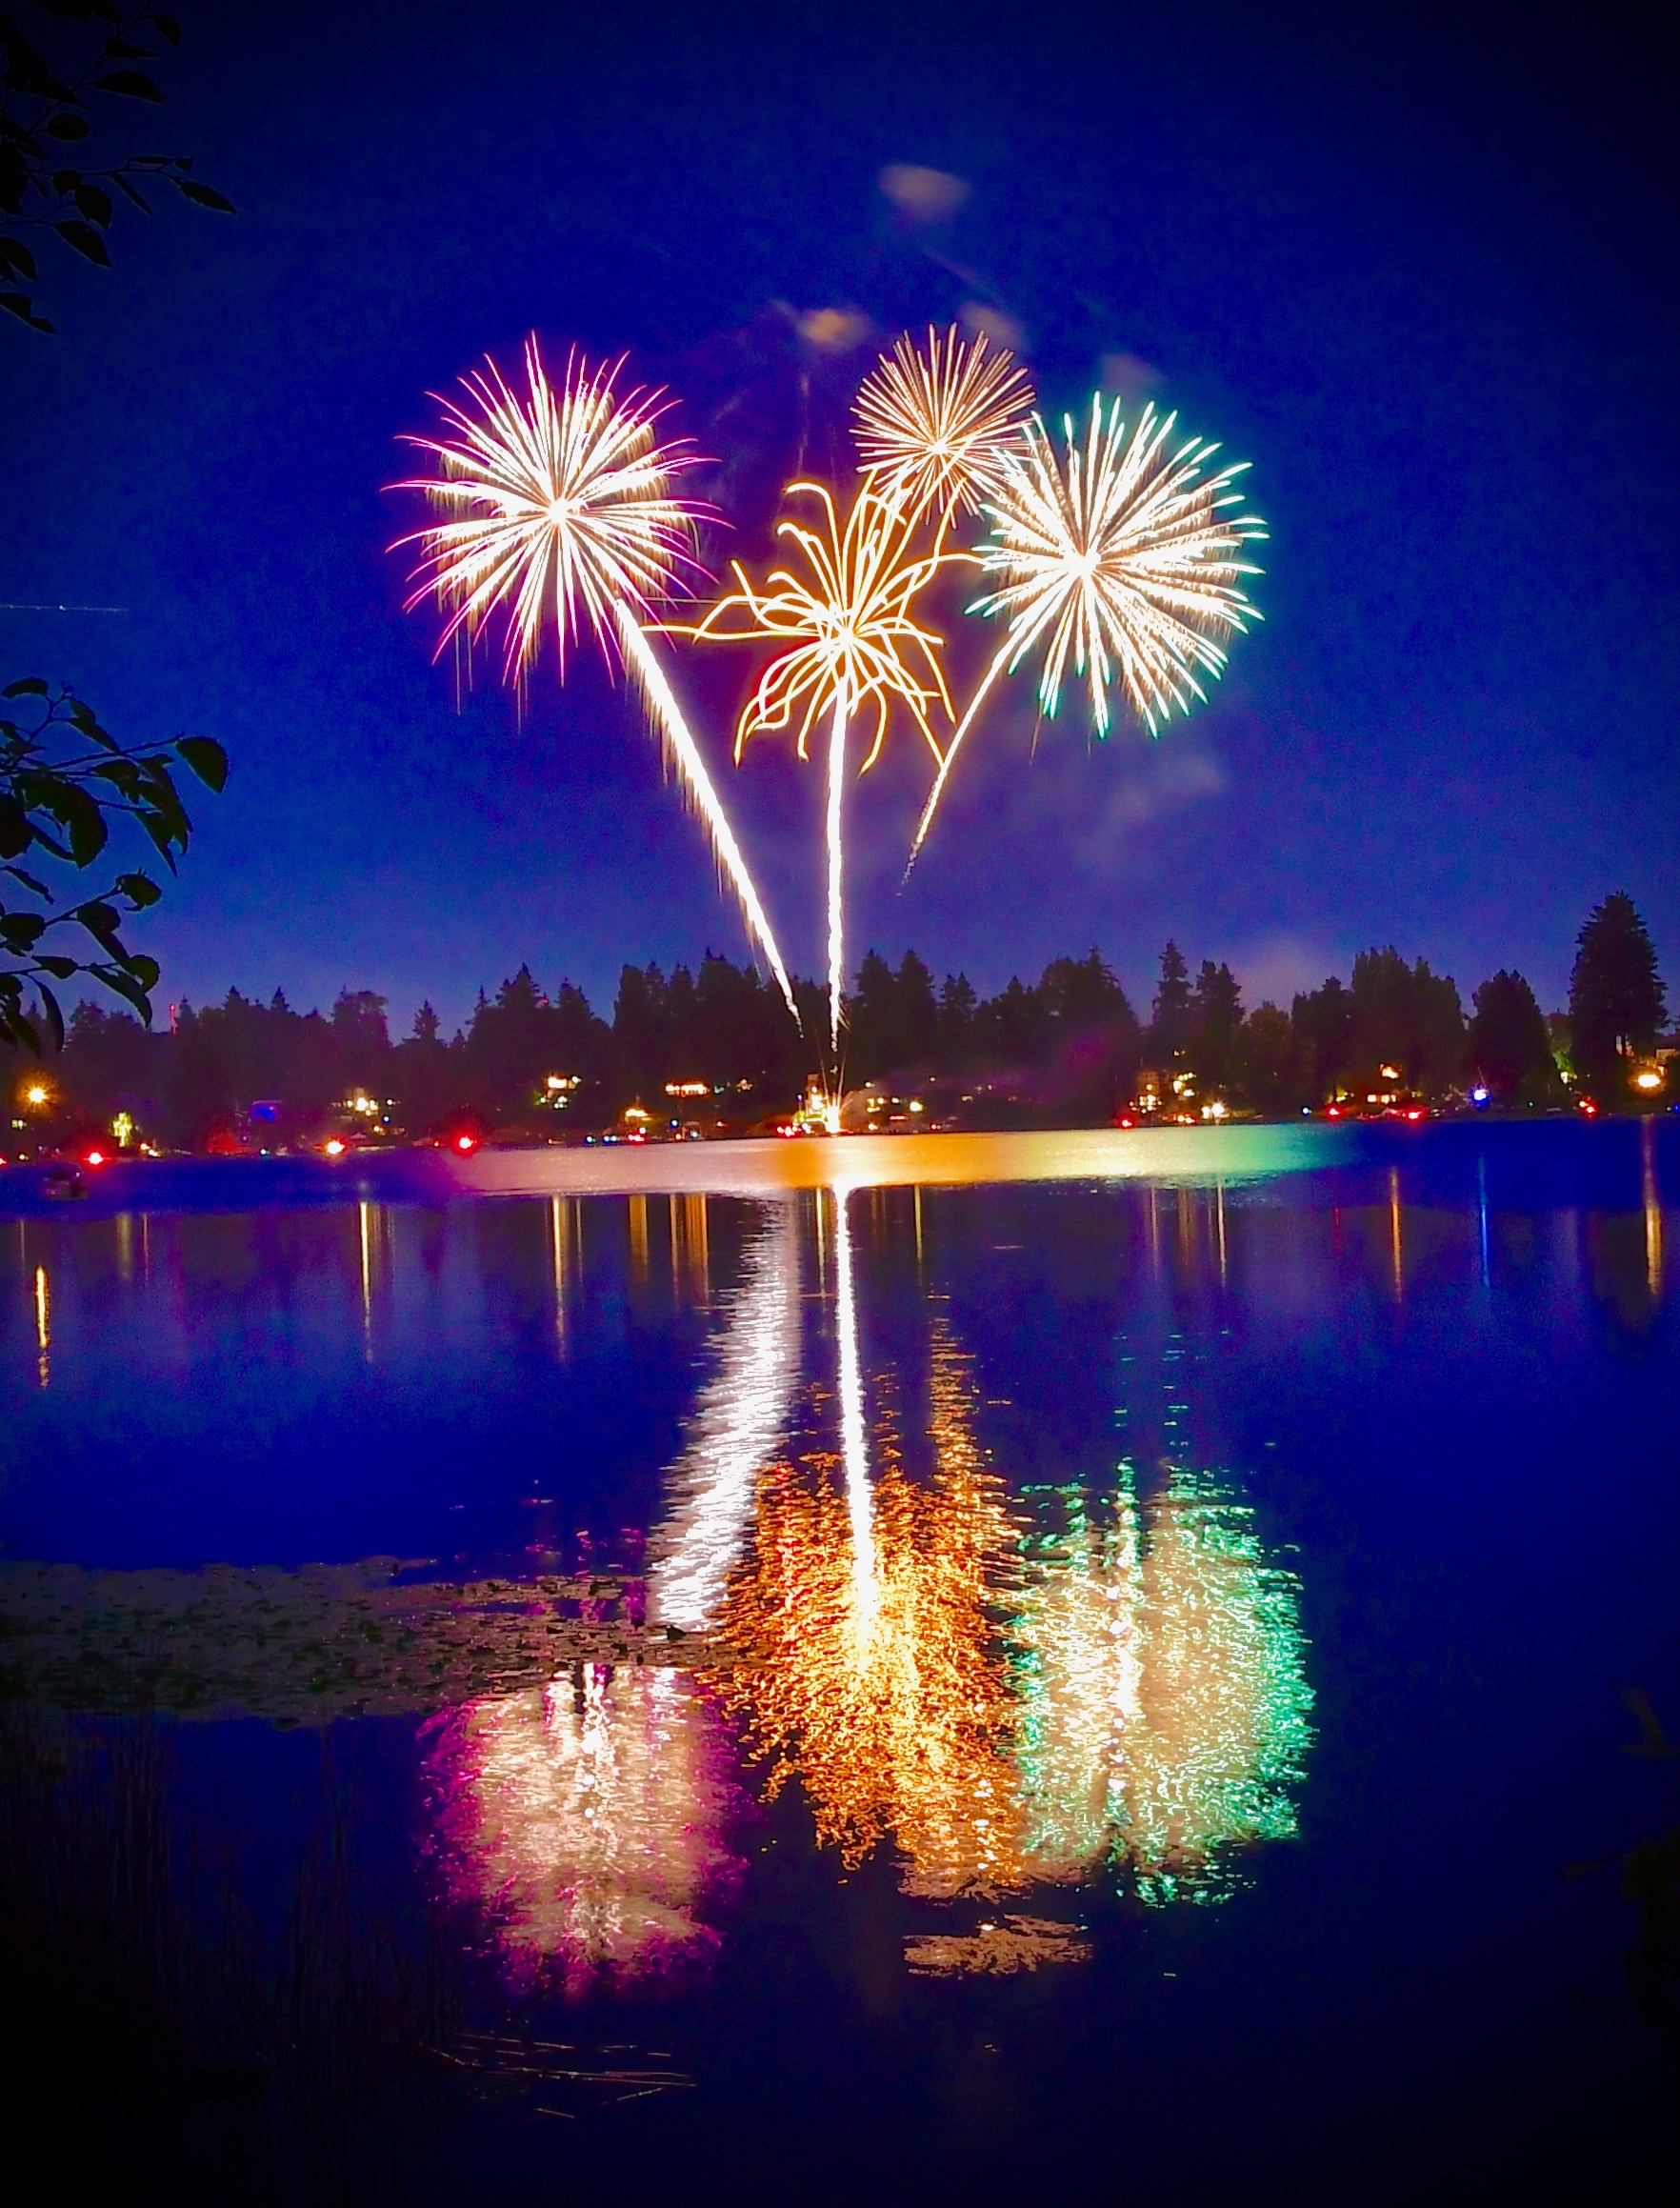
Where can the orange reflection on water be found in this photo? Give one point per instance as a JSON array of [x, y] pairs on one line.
[[586, 1818], [883, 1688]]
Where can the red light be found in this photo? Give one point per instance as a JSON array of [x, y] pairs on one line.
[[464, 1142], [1332, 1114], [96, 1157], [1126, 1123], [1414, 1115], [335, 1148]]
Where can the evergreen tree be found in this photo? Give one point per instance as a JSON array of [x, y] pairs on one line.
[[1508, 1047], [1216, 1018], [1270, 1069], [1169, 1028], [1616, 994], [955, 1033], [1323, 1021]]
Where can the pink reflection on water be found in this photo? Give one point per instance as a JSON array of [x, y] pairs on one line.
[[587, 1819]]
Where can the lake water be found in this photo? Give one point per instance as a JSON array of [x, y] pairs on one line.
[[849, 1690]]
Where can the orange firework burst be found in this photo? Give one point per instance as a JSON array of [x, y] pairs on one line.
[[852, 642], [934, 423]]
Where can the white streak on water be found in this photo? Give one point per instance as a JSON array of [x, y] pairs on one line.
[[737, 1425]]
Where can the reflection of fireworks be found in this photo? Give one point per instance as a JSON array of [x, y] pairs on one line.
[[735, 1432], [933, 425], [1120, 558], [587, 1824], [1165, 1714], [852, 644], [563, 499], [895, 1720]]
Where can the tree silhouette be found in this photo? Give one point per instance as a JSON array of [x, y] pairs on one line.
[[1616, 995]]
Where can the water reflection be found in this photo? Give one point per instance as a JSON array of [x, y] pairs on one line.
[[1163, 1700], [587, 1819], [878, 1681], [735, 1430]]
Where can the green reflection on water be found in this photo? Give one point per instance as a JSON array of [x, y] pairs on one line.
[[1163, 1702]]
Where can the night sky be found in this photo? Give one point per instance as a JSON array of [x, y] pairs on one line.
[[1423, 279]]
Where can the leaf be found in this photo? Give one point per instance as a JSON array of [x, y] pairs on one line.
[[60, 968], [125, 986], [149, 821], [97, 916], [14, 303], [201, 195], [31, 685], [15, 833], [122, 184], [140, 890], [30, 882], [119, 49], [18, 259], [94, 204], [54, 1017], [130, 85], [206, 759], [67, 127], [167, 27], [21, 931], [84, 240], [144, 970]]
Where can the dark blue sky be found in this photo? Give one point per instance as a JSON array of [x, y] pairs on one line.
[[1423, 279]]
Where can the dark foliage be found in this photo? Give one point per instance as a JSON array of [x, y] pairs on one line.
[[65, 782], [51, 98], [1508, 1047], [1616, 994]]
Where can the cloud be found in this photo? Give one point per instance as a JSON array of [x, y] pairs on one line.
[[991, 324], [922, 195], [1273, 968], [1124, 376], [835, 328]]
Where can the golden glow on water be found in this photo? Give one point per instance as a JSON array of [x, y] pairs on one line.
[[1653, 1209], [43, 1329], [586, 1818], [1394, 1230], [895, 1719], [638, 1237]]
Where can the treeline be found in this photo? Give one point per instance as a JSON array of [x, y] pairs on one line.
[[1068, 1048]]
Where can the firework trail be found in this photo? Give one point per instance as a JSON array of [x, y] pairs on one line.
[[562, 498], [934, 423], [851, 642], [1120, 555]]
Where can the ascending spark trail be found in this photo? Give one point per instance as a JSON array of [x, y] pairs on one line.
[[837, 866], [563, 498], [854, 1454], [850, 640], [737, 1427], [639, 657]]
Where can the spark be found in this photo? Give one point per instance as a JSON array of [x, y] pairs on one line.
[[561, 497], [1120, 555], [852, 643], [934, 425]]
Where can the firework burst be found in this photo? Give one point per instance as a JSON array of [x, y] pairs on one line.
[[1119, 555], [560, 499], [852, 643], [934, 422]]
